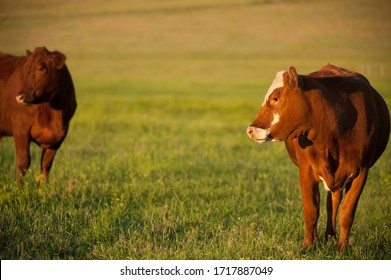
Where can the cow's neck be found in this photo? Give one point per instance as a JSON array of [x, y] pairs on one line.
[[322, 129]]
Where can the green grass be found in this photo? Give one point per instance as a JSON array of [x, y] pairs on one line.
[[157, 164]]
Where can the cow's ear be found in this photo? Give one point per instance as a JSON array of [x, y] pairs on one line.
[[293, 78], [58, 59], [28, 52]]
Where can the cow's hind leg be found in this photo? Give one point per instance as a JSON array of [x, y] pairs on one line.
[[46, 162], [311, 197], [333, 201], [349, 206]]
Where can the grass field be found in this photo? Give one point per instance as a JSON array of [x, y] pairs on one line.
[[157, 164]]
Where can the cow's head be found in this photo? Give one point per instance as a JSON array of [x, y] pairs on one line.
[[284, 113], [40, 76]]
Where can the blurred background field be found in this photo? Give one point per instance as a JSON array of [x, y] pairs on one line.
[[157, 164]]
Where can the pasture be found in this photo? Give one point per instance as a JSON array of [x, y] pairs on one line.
[[157, 164]]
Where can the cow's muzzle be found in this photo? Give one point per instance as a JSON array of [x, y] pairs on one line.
[[259, 135], [21, 99]]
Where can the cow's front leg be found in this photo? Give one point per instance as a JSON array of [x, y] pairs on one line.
[[349, 206], [311, 197], [46, 162], [333, 201], [22, 145]]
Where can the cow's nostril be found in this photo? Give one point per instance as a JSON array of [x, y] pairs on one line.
[[250, 132], [20, 98]]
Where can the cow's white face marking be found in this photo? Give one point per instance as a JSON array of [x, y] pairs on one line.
[[277, 83], [276, 119]]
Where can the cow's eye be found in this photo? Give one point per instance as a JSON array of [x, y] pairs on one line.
[[41, 67]]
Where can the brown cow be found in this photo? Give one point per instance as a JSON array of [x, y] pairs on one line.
[[37, 102], [335, 126]]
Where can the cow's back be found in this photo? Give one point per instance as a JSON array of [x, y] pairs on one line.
[[9, 64], [330, 70]]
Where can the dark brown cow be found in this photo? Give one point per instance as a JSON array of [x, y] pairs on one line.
[[37, 102], [335, 126]]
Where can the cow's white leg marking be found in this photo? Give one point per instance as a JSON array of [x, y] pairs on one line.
[[324, 184]]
